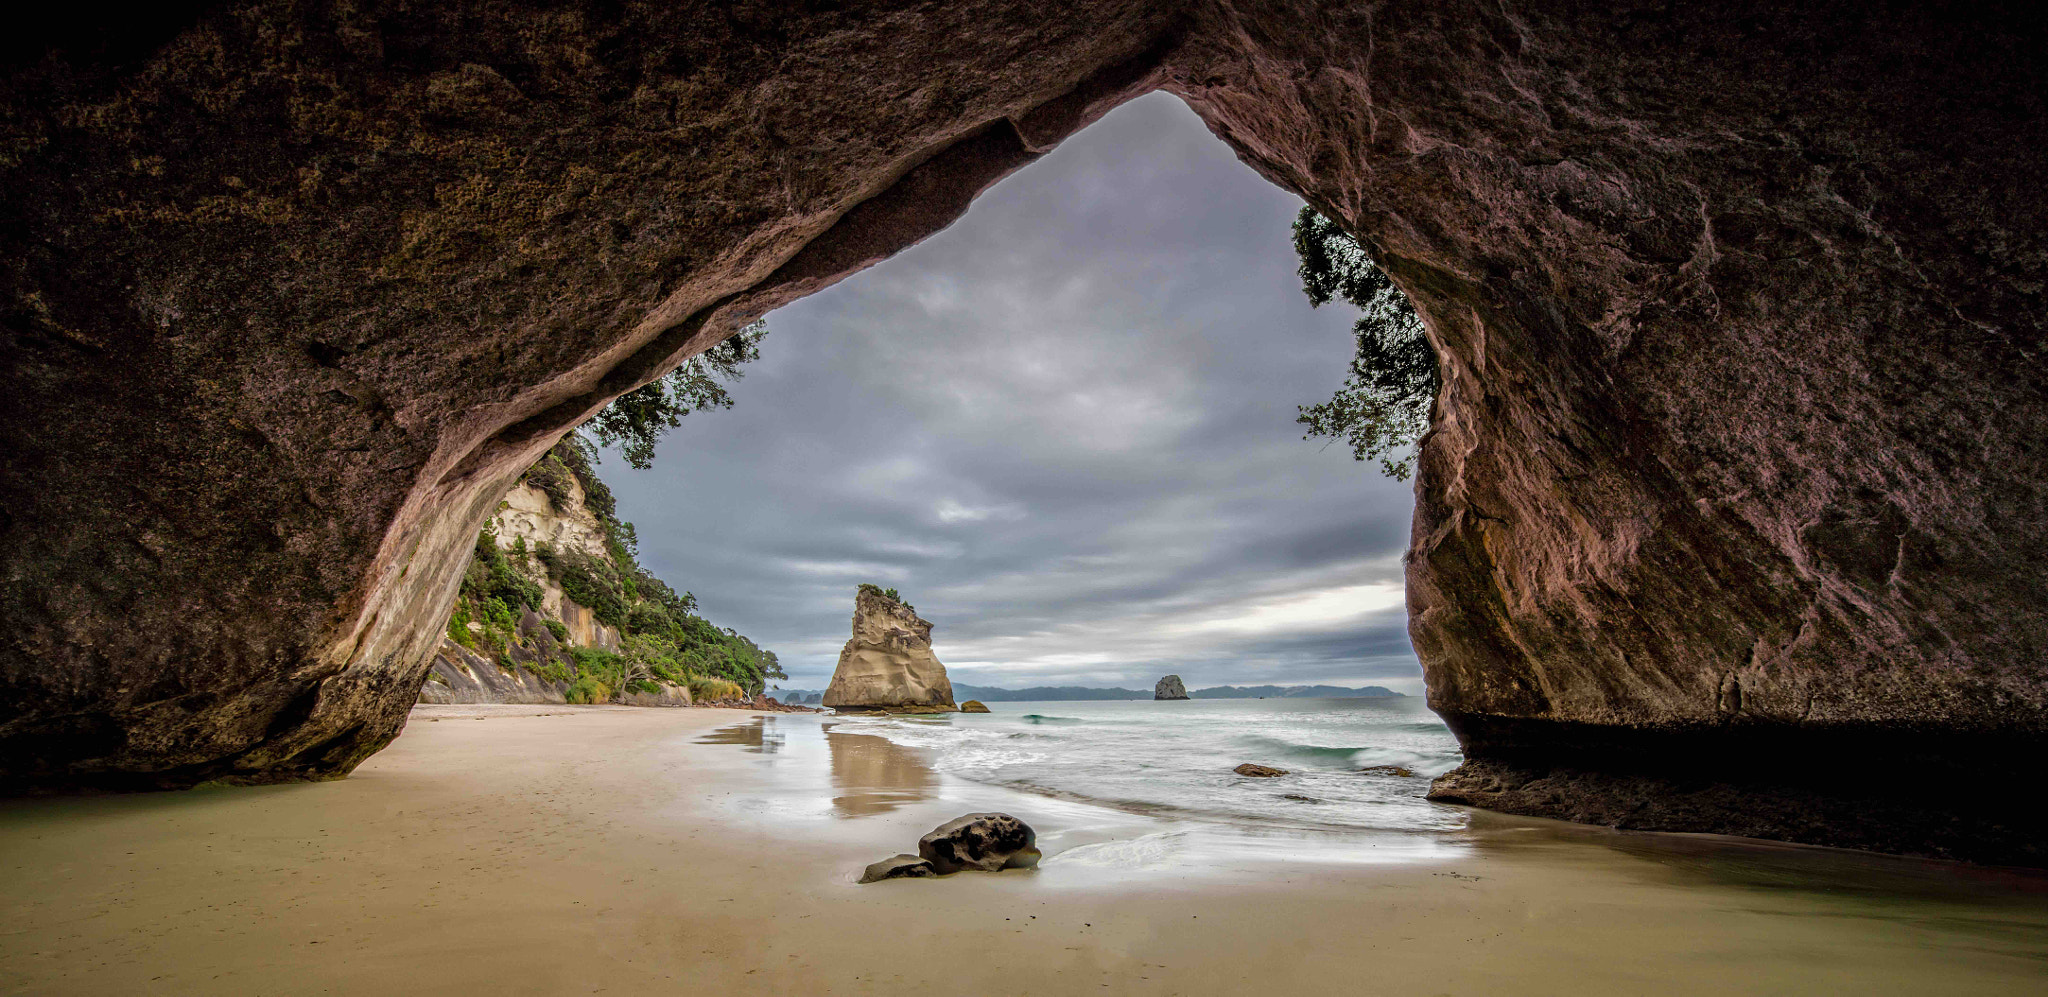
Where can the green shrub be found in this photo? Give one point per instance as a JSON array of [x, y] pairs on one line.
[[889, 594], [665, 639], [705, 689], [497, 615], [648, 618], [491, 576], [551, 669], [597, 496], [586, 691], [592, 582], [597, 663], [458, 627], [550, 476]]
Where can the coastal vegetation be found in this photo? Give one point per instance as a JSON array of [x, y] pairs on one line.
[[500, 611], [1383, 407], [663, 642], [635, 421], [889, 594]]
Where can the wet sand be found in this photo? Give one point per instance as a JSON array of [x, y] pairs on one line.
[[552, 850]]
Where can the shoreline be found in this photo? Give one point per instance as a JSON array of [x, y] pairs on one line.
[[635, 850]]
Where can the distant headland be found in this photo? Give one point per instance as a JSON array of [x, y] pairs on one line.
[[1055, 693]]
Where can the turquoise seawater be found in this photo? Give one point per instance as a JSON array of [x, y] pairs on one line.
[[1344, 757]]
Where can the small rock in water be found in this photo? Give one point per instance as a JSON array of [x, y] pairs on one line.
[[984, 842], [973, 706], [899, 867], [1298, 798], [1400, 770], [1258, 771]]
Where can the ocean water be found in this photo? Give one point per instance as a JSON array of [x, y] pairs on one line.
[[1343, 757]]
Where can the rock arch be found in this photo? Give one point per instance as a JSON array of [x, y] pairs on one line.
[[1732, 518]]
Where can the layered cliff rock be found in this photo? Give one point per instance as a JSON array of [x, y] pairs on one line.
[[460, 675], [1736, 486], [555, 603], [529, 521], [888, 664]]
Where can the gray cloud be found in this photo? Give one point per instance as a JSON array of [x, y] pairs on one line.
[[1064, 427]]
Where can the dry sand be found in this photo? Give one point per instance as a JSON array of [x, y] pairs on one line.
[[552, 850]]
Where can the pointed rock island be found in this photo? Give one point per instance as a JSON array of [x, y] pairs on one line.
[[888, 665], [1170, 687]]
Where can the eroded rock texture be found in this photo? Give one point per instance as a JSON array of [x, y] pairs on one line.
[[888, 663], [1735, 491]]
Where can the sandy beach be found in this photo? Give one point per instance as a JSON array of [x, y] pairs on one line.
[[558, 850]]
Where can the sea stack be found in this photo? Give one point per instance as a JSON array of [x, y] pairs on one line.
[[888, 665], [1170, 688]]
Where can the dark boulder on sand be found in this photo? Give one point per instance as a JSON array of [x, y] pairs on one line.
[[1258, 771], [986, 842], [898, 867]]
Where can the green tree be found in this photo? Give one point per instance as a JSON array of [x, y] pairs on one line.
[[1383, 407], [637, 420]]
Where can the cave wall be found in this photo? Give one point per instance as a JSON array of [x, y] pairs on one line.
[[293, 292], [1731, 518]]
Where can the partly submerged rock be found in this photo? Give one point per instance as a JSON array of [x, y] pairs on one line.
[[1258, 771], [888, 664], [1170, 687], [985, 842], [898, 867], [973, 706], [1396, 770]]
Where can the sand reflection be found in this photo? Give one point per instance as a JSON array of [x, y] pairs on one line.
[[757, 735], [873, 775]]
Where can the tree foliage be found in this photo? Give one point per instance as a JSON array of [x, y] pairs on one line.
[[889, 594], [1383, 408], [664, 638], [637, 420]]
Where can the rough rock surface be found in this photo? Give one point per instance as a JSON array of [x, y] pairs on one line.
[[974, 706], [666, 695], [1738, 471], [527, 514], [1169, 688], [1257, 771], [460, 675], [982, 842], [1397, 771], [888, 664], [898, 867]]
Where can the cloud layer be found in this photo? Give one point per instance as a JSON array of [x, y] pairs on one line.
[[1064, 427]]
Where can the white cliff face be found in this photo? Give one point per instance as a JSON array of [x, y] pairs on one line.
[[527, 514], [889, 662]]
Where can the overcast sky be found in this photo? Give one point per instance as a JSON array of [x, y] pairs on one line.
[[1064, 428]]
